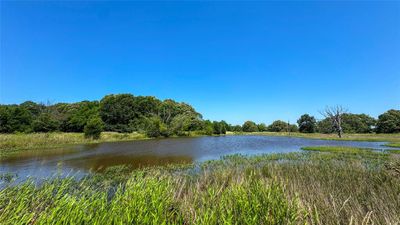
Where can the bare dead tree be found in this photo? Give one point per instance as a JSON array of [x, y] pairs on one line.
[[334, 113]]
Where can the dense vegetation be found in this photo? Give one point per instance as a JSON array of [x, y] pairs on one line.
[[328, 185], [148, 115]]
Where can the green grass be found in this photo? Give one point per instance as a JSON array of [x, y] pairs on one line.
[[10, 143], [313, 187], [338, 149], [346, 137], [393, 144], [394, 151]]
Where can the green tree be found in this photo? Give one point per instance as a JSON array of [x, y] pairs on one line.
[[93, 128], [155, 127], [281, 126], [262, 127], [325, 126], [117, 111], [208, 128], [307, 124], [237, 128], [357, 123], [78, 114], [249, 126], [45, 123], [389, 122]]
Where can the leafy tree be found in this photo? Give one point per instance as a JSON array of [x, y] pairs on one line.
[[307, 124], [117, 111], [249, 126], [281, 126], [155, 127], [93, 128], [78, 114], [236, 128], [208, 127], [357, 123], [389, 122], [262, 127], [45, 123], [5, 119], [19, 119], [146, 106], [325, 126]]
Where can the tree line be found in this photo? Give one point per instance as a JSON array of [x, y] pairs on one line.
[[154, 117]]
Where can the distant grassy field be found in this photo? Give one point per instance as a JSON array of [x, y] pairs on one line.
[[348, 137], [16, 142], [325, 186]]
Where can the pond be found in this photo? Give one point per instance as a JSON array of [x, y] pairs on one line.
[[81, 159]]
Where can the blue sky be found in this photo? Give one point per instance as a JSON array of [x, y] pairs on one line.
[[236, 61]]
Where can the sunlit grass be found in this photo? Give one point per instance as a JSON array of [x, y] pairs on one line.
[[338, 149], [393, 144], [16, 142], [329, 187], [346, 136]]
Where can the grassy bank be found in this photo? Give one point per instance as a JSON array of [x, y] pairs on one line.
[[315, 187], [346, 137], [10, 143]]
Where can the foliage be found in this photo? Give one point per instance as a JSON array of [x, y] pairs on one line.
[[357, 123], [219, 127], [325, 126], [155, 127], [389, 122], [93, 128], [249, 126], [45, 123], [281, 126], [262, 127], [307, 124]]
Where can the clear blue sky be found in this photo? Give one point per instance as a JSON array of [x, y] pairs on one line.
[[236, 61]]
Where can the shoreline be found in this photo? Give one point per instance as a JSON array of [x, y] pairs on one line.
[[13, 143]]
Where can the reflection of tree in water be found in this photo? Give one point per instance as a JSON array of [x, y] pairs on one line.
[[103, 161]]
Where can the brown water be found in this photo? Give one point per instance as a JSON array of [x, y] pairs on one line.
[[81, 159]]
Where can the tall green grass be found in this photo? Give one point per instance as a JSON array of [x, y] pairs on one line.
[[10, 143], [296, 188]]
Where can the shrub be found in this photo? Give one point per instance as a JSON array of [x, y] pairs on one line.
[[307, 124], [389, 122], [93, 128], [250, 126]]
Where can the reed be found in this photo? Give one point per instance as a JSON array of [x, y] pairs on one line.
[[309, 187]]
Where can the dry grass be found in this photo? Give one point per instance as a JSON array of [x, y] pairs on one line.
[[16, 142]]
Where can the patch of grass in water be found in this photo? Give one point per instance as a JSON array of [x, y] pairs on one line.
[[393, 144], [338, 149]]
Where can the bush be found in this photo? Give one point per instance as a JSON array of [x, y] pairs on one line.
[[45, 123], [250, 126], [93, 128], [389, 122], [307, 124], [155, 127]]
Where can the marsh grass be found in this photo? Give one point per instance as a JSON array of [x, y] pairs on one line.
[[345, 137], [10, 143], [311, 187], [393, 144]]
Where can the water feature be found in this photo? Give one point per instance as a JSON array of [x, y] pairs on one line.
[[80, 159]]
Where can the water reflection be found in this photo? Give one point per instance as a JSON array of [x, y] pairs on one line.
[[81, 159], [100, 162]]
